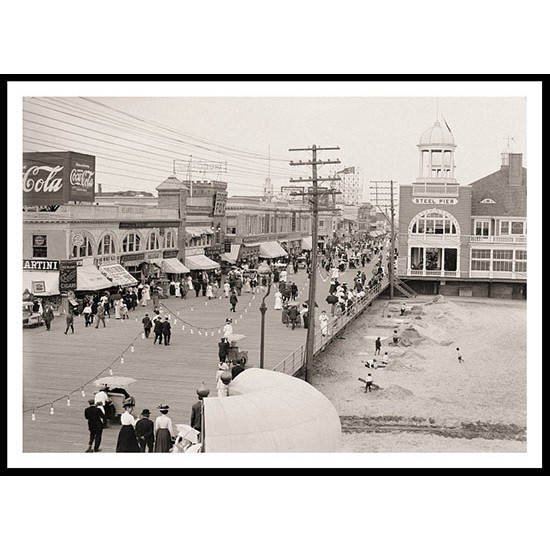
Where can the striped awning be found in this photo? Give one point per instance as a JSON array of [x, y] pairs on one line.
[[306, 243], [271, 249], [197, 231], [117, 275], [88, 277], [232, 256], [200, 261], [173, 265]]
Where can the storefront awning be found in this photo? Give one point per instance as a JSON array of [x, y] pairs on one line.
[[232, 256], [200, 261], [117, 275], [306, 243], [198, 231], [271, 249], [88, 277], [155, 261], [173, 265], [41, 283]]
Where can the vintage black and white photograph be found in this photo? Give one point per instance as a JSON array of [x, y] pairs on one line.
[[276, 274]]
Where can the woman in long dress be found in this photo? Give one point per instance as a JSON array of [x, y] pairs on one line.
[[116, 304], [127, 441], [220, 385], [163, 430], [246, 285], [323, 321], [145, 295], [278, 300]]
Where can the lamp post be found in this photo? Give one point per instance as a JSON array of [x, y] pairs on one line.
[[264, 270]]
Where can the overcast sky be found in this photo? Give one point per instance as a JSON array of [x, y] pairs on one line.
[[137, 139]]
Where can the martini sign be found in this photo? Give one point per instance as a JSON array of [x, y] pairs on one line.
[[58, 178]]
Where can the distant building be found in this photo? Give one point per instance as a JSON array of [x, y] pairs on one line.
[[463, 239], [350, 186]]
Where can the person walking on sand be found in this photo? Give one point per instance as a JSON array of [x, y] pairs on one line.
[[377, 346], [459, 356], [369, 380]]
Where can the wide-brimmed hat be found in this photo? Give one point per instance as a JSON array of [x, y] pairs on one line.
[[163, 408]]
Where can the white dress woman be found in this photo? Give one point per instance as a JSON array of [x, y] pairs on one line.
[[220, 385], [226, 289], [145, 295], [189, 282], [209, 291], [246, 285], [282, 276], [116, 304], [278, 300], [323, 321]]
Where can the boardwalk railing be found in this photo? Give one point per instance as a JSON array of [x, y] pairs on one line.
[[293, 362]]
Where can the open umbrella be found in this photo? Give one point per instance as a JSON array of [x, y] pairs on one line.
[[115, 381], [187, 432], [307, 302], [236, 337], [332, 299]]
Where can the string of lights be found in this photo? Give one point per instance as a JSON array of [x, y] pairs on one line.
[[109, 368]]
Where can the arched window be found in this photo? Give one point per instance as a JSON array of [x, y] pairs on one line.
[[153, 242], [106, 245], [169, 240], [434, 222], [131, 243], [85, 249]]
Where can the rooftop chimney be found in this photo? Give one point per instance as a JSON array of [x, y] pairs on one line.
[[515, 171]]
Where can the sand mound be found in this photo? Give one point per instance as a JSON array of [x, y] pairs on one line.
[[394, 392], [404, 365], [411, 356]]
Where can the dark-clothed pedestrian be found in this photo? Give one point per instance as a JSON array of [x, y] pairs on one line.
[[459, 356], [166, 331], [158, 330], [377, 346], [147, 325], [95, 417], [223, 349], [48, 316], [145, 432], [293, 315], [233, 300], [69, 321], [100, 316]]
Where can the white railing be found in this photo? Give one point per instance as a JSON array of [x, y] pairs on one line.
[[441, 190], [518, 239], [432, 273], [498, 275], [293, 362]]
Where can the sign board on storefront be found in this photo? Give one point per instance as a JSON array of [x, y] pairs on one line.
[[434, 200], [41, 265], [57, 178], [67, 275], [219, 203]]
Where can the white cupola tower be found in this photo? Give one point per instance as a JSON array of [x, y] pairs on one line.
[[437, 147]]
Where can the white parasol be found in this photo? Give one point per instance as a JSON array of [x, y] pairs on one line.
[[115, 381], [187, 432], [235, 337]]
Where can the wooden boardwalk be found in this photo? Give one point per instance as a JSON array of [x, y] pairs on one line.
[[55, 364]]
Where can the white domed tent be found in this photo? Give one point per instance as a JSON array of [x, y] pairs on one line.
[[270, 412]]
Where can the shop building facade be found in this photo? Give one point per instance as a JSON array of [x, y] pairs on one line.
[[450, 236]]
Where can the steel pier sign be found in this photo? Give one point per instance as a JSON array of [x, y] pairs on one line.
[[434, 200], [57, 178]]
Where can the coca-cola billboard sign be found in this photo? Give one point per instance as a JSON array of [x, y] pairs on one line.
[[58, 178]]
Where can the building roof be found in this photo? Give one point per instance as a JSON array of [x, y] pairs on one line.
[[172, 183], [504, 199], [437, 135]]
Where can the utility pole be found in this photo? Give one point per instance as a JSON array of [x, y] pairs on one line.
[[392, 231], [313, 195]]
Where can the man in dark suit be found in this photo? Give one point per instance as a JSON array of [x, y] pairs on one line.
[[223, 349], [95, 418], [145, 431], [196, 416], [166, 331]]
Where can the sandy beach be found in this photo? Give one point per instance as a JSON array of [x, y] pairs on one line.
[[428, 401]]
